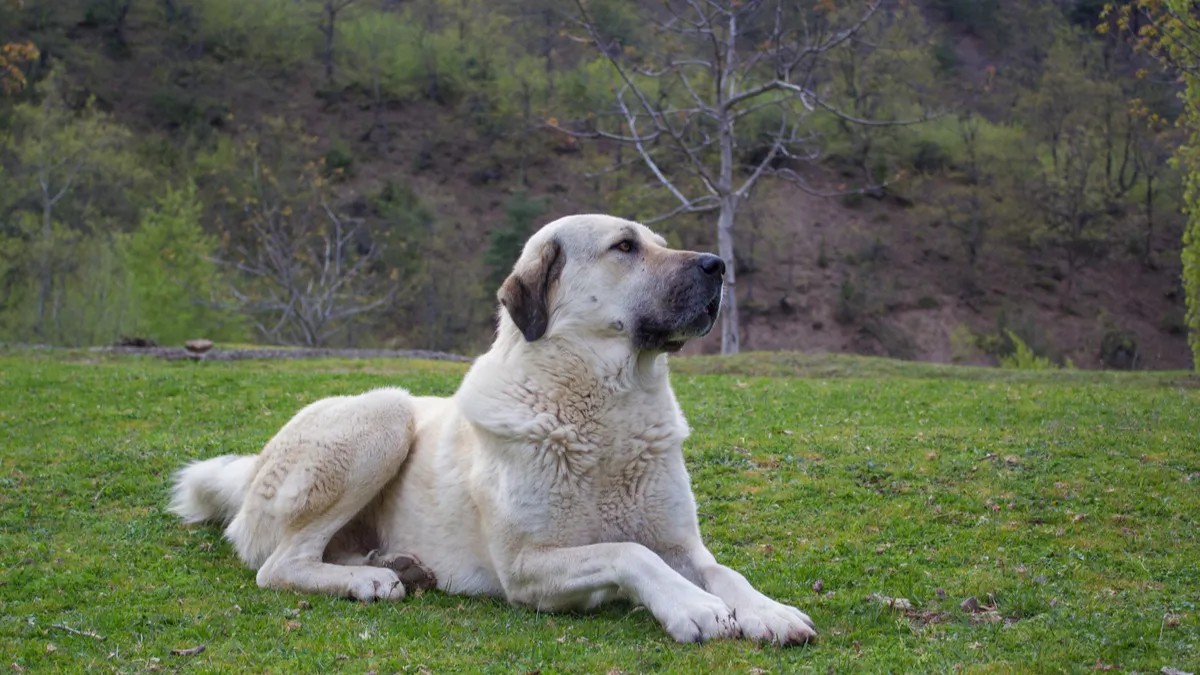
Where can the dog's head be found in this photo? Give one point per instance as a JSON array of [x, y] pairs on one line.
[[594, 276]]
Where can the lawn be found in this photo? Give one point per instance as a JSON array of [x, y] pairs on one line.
[[1065, 504]]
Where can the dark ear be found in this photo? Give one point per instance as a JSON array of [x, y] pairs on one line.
[[526, 292]]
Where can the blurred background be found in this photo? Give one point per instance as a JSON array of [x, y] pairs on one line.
[[962, 181]]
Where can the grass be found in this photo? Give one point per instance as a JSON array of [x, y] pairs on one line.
[[1066, 503]]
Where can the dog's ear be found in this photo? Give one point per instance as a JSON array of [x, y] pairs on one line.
[[526, 292]]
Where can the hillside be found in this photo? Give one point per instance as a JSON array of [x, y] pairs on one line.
[[876, 274]]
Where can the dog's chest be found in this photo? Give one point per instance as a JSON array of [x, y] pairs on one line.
[[623, 485]]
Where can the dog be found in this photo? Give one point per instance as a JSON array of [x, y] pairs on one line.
[[554, 477]]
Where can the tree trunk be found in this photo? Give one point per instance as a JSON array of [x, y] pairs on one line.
[[1147, 257], [730, 343], [328, 30], [45, 277]]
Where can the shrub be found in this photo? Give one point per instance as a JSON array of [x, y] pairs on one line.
[[339, 162], [506, 241], [1023, 358], [1119, 349]]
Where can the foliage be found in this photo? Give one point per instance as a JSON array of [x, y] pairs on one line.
[[1023, 358], [305, 273], [12, 55], [1170, 29], [70, 174], [1019, 488], [1055, 156], [274, 34], [175, 285], [521, 213]]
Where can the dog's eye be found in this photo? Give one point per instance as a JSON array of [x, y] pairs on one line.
[[624, 246]]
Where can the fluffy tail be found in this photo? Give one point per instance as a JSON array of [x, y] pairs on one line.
[[212, 489]]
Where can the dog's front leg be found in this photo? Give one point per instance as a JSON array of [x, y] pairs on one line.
[[584, 576], [760, 617]]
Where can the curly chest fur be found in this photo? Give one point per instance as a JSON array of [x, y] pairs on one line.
[[622, 484]]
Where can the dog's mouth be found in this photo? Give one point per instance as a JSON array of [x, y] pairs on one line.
[[702, 325], [713, 308]]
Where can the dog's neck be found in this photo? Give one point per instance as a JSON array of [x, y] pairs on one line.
[[600, 372]]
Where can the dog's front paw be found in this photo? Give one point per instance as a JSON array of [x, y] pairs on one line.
[[698, 617], [770, 621], [368, 584]]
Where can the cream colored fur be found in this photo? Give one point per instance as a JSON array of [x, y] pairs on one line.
[[554, 477]]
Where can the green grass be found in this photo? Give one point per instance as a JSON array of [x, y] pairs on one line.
[[1071, 499]]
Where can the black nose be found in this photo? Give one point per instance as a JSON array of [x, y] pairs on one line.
[[711, 265]]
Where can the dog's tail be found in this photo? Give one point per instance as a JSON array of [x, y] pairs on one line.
[[212, 489]]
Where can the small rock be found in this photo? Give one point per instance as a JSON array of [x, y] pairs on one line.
[[898, 604], [1168, 670], [970, 605], [818, 585], [198, 346]]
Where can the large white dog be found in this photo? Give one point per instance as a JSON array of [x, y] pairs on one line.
[[554, 477]]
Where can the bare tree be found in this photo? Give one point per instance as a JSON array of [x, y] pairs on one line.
[[1070, 193], [308, 273], [329, 15], [725, 61]]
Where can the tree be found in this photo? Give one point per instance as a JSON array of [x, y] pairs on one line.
[[506, 241], [1074, 205], [731, 98], [974, 195], [307, 271], [330, 9], [1170, 30], [1086, 166], [174, 283], [65, 160], [12, 55]]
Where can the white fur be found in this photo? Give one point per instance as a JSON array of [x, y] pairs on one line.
[[554, 477]]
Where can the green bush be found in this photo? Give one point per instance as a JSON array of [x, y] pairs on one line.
[[1023, 358], [272, 33], [506, 241], [339, 162], [174, 285]]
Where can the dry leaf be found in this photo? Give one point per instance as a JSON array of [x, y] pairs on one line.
[[292, 625]]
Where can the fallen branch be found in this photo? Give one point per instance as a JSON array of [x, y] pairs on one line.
[[85, 633], [192, 651]]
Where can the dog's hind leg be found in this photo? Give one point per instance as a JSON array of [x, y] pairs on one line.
[[316, 475]]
